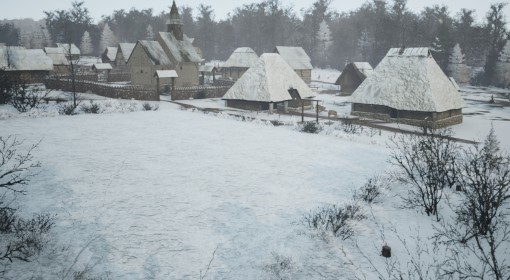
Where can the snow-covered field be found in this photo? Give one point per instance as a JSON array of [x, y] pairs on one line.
[[179, 194]]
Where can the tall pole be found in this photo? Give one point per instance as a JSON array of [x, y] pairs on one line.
[[317, 115], [302, 111]]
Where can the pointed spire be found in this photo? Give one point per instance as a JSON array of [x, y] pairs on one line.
[[175, 18]]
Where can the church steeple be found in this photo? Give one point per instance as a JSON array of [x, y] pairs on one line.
[[174, 25]]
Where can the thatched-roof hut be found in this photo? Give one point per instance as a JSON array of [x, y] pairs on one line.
[[353, 75]]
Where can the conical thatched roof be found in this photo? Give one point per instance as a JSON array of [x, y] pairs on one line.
[[269, 80], [242, 58]]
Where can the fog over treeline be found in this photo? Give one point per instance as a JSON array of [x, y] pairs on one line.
[[329, 37]]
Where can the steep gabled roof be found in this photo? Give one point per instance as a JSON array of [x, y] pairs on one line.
[[409, 79], [111, 53], [58, 58], [126, 49], [181, 51], [361, 69], [269, 80], [54, 50], [242, 58], [155, 52], [102, 66], [20, 59], [65, 46], [296, 57]]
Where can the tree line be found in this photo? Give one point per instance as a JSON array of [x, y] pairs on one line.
[[330, 38]]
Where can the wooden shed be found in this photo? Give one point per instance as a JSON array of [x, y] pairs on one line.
[[60, 62], [409, 87], [353, 75], [71, 50], [32, 66]]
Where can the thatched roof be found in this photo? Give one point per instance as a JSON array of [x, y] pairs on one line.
[[296, 57], [361, 69], [242, 58], [269, 80], [409, 79], [21, 59], [65, 46], [111, 53]]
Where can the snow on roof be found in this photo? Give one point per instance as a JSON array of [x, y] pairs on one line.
[[182, 51], [412, 81], [20, 59], [102, 66], [54, 50], [58, 58], [126, 49], [296, 57], [74, 49], [242, 58], [207, 68], [166, 74], [111, 53], [155, 52], [269, 80], [364, 67]]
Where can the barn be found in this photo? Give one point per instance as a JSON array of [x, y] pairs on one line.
[[268, 83], [32, 66], [238, 63], [353, 75], [124, 51], [297, 58], [409, 87]]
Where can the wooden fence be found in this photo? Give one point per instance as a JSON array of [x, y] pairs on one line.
[[110, 91], [198, 92]]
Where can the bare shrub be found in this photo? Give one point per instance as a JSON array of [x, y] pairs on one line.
[[335, 219], [310, 127], [281, 266], [24, 97], [148, 107], [370, 191], [428, 163], [66, 109]]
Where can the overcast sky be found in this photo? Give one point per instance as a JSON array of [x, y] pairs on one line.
[[12, 9]]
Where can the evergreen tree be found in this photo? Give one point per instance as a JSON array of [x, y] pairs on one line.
[[457, 67], [150, 33], [365, 46], [107, 38], [502, 69], [86, 44], [324, 43], [497, 35]]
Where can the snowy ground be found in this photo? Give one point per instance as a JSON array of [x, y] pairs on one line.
[[151, 195]]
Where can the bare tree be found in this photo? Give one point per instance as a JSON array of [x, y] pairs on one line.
[[428, 163], [21, 239], [481, 226]]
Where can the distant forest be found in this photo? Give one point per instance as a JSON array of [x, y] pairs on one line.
[[330, 38]]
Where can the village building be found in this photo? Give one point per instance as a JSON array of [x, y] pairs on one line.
[[60, 62], [297, 58], [147, 58], [353, 75], [124, 51], [71, 50], [207, 74], [238, 63], [32, 66], [409, 87], [267, 84], [180, 50], [109, 55], [102, 71]]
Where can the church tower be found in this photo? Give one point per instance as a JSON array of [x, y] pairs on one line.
[[174, 25]]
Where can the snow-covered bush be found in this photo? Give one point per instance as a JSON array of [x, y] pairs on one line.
[[92, 108], [370, 191], [310, 127], [148, 107], [281, 267], [66, 109], [336, 219]]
